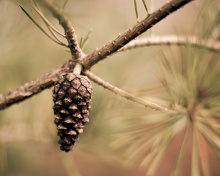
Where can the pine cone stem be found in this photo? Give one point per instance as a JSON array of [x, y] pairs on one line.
[[77, 69]]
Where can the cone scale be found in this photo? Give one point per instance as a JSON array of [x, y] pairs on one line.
[[72, 96]]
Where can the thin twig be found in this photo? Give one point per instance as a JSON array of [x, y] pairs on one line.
[[211, 44], [133, 32], [124, 94], [67, 26]]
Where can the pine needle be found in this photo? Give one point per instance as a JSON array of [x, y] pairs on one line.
[[83, 41], [50, 27], [136, 10], [161, 150], [35, 6], [145, 6], [215, 127], [64, 5], [213, 140], [39, 26]]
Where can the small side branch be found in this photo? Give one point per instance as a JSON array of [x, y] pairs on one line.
[[67, 26], [211, 44], [124, 94]]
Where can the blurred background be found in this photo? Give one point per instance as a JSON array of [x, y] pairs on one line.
[[28, 140]]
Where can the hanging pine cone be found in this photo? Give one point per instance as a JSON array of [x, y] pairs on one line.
[[71, 96]]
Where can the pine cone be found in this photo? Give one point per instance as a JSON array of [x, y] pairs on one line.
[[72, 97]]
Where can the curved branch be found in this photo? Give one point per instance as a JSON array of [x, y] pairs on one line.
[[125, 94], [211, 44]]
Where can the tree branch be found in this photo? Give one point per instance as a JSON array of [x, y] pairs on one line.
[[124, 94], [133, 32], [211, 44], [48, 79], [67, 26], [36, 86]]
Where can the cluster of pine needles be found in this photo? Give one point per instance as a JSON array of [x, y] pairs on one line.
[[190, 82]]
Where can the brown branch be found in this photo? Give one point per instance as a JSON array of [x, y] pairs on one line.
[[35, 86], [67, 26], [48, 79], [125, 94], [211, 44], [133, 32]]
